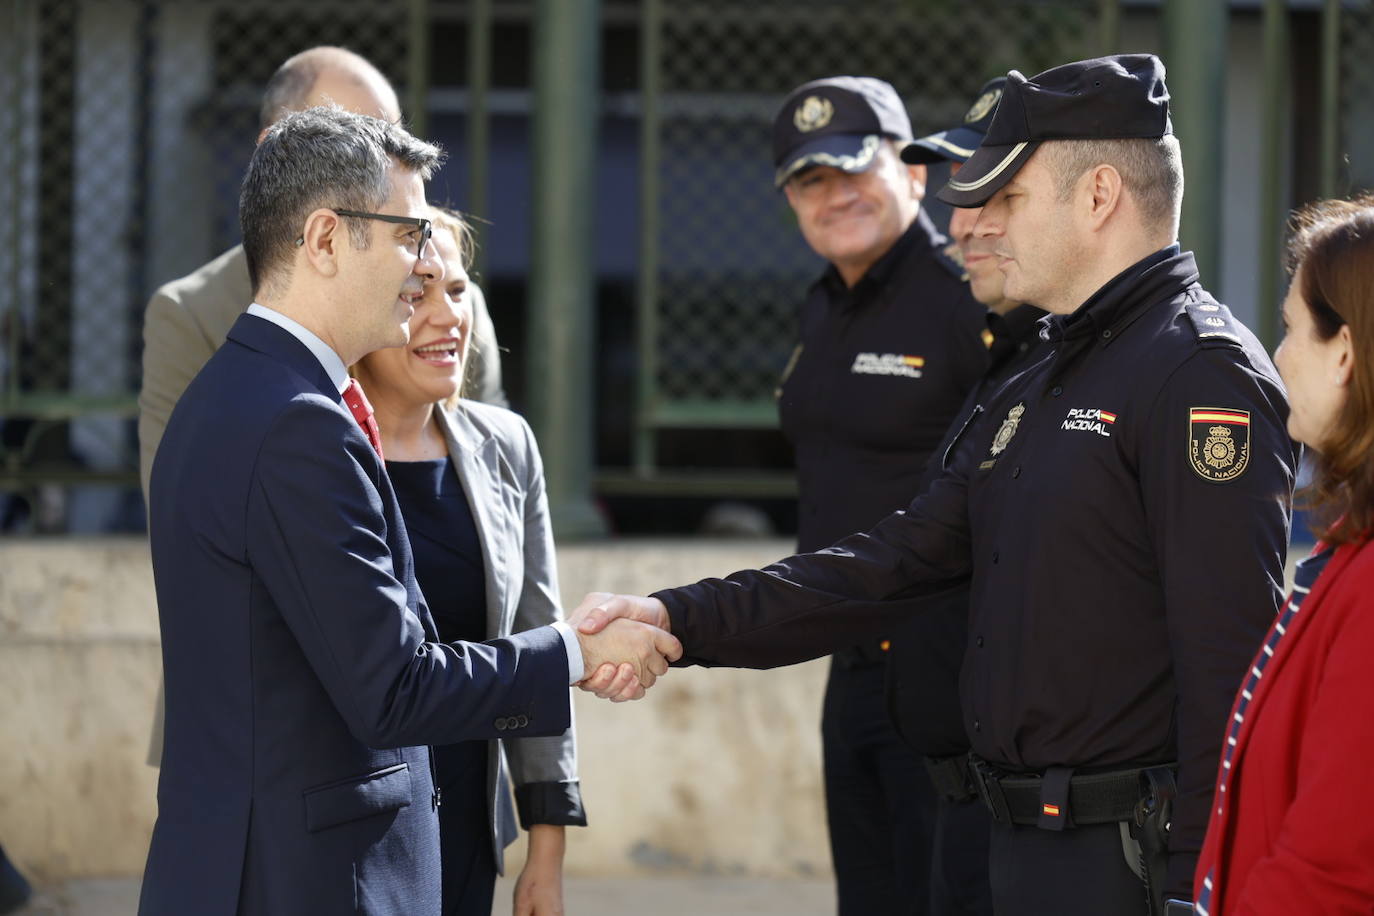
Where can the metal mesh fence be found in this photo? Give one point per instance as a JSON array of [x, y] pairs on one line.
[[127, 126], [733, 267]]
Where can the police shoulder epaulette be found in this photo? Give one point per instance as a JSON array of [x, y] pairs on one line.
[[952, 260], [1213, 323]]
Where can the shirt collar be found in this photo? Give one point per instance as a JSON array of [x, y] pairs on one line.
[[333, 365], [1121, 298]]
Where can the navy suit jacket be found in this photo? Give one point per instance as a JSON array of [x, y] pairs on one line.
[[303, 674]]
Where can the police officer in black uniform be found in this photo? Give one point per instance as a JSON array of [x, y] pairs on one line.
[[1122, 509], [928, 647], [890, 343]]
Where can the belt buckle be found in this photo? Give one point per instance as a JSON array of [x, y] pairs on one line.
[[989, 788]]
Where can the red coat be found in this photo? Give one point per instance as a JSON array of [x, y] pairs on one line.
[[1296, 835]]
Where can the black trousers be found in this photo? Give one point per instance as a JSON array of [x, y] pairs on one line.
[[878, 798], [469, 864], [1080, 871], [959, 865]]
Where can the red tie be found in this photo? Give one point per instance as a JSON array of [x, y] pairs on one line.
[[362, 412]]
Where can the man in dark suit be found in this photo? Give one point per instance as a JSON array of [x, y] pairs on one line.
[[302, 667], [187, 319]]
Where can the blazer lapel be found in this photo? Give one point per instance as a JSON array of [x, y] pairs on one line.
[[475, 459]]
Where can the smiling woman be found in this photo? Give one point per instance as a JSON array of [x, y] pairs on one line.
[[470, 484]]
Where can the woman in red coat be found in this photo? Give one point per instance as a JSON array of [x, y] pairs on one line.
[[1292, 827]]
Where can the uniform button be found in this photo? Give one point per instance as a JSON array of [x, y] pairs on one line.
[[980, 642], [1016, 471], [977, 726], [522, 722], [1057, 390], [996, 556], [500, 724], [1107, 334]]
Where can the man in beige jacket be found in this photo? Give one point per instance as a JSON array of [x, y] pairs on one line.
[[187, 319]]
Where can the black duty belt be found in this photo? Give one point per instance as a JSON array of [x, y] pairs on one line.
[[950, 778], [1059, 798]]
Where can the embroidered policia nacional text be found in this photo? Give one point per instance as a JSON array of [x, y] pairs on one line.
[[1218, 442], [1091, 420], [887, 364]]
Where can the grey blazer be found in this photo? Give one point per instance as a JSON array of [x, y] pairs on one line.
[[497, 461]]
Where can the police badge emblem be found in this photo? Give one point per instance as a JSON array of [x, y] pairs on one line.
[[986, 102], [1007, 429], [1218, 442], [813, 113]]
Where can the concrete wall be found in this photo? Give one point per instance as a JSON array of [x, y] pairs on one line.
[[716, 771]]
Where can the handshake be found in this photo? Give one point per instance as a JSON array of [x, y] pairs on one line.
[[625, 643]]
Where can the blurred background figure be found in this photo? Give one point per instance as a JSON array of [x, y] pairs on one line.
[[14, 889], [470, 484], [890, 341], [1287, 834]]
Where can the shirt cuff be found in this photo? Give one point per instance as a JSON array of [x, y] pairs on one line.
[[577, 669]]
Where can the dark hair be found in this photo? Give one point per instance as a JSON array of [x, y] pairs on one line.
[[320, 157], [1332, 258]]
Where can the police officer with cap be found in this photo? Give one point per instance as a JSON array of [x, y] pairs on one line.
[[928, 647], [1122, 509], [890, 342]]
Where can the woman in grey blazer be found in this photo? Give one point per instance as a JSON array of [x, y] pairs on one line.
[[471, 488]]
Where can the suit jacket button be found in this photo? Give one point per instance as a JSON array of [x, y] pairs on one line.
[[501, 724], [522, 721]]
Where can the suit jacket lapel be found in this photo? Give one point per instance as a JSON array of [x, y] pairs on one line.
[[475, 459]]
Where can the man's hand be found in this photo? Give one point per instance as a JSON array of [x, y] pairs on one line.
[[624, 681], [616, 683]]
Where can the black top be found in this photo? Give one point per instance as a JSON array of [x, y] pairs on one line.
[[928, 646], [443, 538], [879, 374], [1123, 512]]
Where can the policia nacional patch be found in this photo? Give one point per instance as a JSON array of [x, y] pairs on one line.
[[1218, 442]]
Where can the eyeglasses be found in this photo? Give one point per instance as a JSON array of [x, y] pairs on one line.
[[423, 227]]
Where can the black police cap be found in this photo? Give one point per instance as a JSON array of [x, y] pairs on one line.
[[839, 121], [958, 143], [1108, 98]]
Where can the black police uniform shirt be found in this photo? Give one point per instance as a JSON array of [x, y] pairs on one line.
[[1122, 510], [879, 374], [927, 647]]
